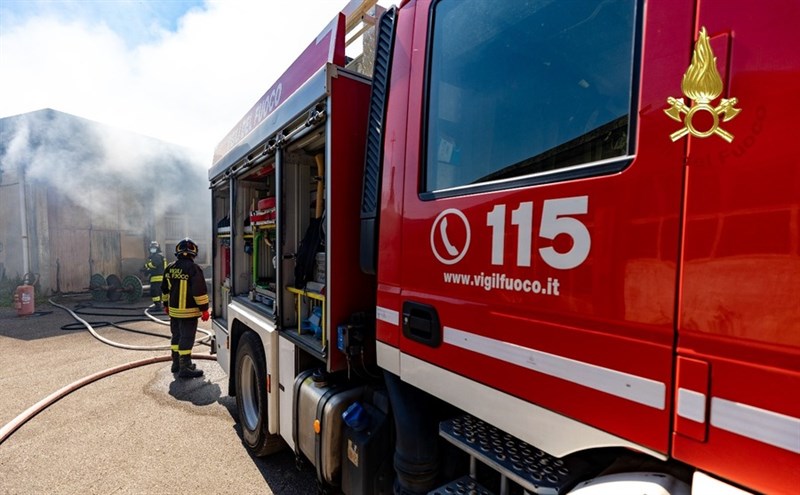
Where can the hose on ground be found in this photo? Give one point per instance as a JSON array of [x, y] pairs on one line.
[[117, 344], [81, 310], [13, 425]]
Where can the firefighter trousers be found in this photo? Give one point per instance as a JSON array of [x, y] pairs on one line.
[[155, 288], [183, 333]]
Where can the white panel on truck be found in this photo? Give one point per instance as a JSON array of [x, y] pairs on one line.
[[286, 386]]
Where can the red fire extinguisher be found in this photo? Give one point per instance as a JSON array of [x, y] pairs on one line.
[[24, 300]]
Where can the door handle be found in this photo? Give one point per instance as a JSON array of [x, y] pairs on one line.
[[421, 323]]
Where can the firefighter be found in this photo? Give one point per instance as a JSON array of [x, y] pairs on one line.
[[155, 266], [185, 300]]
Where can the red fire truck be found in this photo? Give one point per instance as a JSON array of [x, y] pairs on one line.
[[521, 247]]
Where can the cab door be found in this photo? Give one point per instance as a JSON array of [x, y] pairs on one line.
[[738, 373], [539, 221]]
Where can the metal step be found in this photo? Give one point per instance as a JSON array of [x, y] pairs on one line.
[[524, 464], [462, 486]]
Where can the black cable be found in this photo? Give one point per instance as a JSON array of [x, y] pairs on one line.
[[118, 324]]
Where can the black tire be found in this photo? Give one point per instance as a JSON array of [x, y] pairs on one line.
[[251, 397]]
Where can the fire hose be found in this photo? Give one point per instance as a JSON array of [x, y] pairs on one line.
[[126, 346], [13, 425]]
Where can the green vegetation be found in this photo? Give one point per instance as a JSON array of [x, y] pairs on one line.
[[7, 288]]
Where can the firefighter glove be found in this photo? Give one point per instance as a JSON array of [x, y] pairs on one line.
[[204, 316], [166, 309]]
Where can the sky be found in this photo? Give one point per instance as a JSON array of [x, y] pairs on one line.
[[182, 71]]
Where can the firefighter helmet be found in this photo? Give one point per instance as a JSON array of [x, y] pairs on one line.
[[154, 247], [186, 247]]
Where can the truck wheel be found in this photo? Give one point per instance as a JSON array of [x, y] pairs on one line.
[[251, 397]]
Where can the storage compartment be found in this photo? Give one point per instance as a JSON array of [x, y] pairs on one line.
[[245, 214], [221, 251], [319, 404], [255, 246], [320, 174], [287, 214]]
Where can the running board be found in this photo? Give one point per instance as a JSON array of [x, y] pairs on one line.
[[516, 461], [462, 486]]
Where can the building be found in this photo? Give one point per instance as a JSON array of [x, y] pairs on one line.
[[79, 198]]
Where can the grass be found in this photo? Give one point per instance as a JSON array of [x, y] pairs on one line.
[[7, 288]]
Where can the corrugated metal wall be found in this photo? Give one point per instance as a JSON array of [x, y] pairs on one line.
[[10, 233], [87, 243], [91, 196]]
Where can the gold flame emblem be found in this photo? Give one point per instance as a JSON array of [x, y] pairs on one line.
[[702, 84]]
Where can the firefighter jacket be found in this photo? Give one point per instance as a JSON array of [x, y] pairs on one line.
[[155, 266], [184, 288]]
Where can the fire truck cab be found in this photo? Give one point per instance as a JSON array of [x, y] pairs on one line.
[[521, 247]]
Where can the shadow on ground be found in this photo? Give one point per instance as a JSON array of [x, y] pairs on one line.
[[282, 471], [198, 391]]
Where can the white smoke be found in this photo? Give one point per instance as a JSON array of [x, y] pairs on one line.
[[189, 86], [120, 178]]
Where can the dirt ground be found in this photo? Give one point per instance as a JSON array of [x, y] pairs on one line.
[[140, 431]]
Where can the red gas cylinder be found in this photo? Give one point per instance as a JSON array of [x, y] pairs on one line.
[[24, 300]]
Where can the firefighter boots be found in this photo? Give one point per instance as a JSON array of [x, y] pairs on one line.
[[176, 366], [187, 368]]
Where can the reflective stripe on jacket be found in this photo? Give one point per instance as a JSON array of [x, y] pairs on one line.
[[184, 288], [155, 266]]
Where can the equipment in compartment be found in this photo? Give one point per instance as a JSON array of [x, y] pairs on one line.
[[266, 297], [265, 212], [319, 268], [224, 226], [266, 203], [225, 261], [262, 277], [311, 313]]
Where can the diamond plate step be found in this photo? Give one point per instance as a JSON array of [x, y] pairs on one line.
[[524, 464], [462, 486]]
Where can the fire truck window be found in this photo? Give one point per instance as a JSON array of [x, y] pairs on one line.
[[525, 87]]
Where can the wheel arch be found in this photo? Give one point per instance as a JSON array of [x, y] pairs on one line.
[[242, 321], [238, 328]]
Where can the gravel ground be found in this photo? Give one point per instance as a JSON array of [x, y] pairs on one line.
[[140, 431]]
